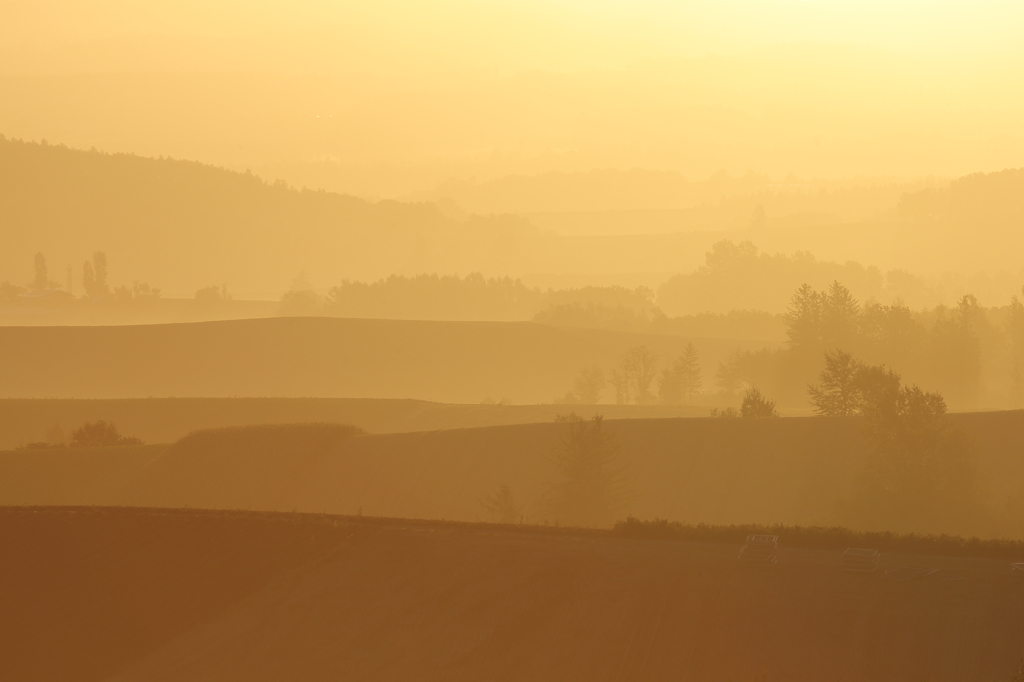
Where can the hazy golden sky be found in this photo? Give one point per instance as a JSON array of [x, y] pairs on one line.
[[392, 97], [511, 34]]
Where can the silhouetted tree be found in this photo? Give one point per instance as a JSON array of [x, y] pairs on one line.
[[94, 275], [300, 300], [803, 320], [758, 219], [41, 280], [757, 405], [840, 315], [587, 386], [727, 376], [890, 332], [100, 433], [639, 369], [957, 350], [621, 384], [212, 295], [919, 474], [501, 505], [589, 486], [139, 291], [1015, 332], [838, 393], [9, 293], [682, 380]]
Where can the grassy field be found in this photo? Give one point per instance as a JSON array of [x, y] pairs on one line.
[[165, 420], [456, 362], [700, 470], [129, 594]]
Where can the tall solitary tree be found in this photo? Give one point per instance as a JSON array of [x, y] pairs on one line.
[[589, 383], [838, 393], [589, 486], [638, 367], [502, 506], [840, 315], [94, 275], [682, 380], [803, 320], [41, 280], [1015, 330]]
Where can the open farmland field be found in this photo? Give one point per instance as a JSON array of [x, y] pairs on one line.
[[457, 362], [153, 595], [721, 471], [164, 420]]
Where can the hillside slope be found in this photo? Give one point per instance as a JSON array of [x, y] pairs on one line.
[[153, 215], [721, 471], [233, 596], [457, 362], [164, 420]]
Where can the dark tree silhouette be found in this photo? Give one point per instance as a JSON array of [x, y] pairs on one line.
[[838, 393], [42, 280], [682, 380], [1015, 331], [587, 387], [919, 475], [590, 487], [501, 505], [100, 433], [638, 368], [757, 405], [94, 275]]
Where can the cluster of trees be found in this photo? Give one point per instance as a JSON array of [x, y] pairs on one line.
[[94, 281], [634, 380], [89, 435], [94, 284], [972, 355], [41, 285], [473, 297], [920, 471], [590, 486], [739, 276]]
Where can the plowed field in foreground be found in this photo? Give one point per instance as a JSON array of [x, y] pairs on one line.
[[92, 594]]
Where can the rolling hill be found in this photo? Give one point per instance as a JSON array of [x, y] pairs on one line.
[[457, 362], [156, 595], [153, 216], [164, 420], [795, 471]]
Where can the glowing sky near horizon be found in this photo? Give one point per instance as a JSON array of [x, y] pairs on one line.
[[636, 28]]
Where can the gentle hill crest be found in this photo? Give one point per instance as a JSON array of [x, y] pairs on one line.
[[457, 362], [153, 215]]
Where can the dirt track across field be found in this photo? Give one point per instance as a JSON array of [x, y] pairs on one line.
[[92, 594]]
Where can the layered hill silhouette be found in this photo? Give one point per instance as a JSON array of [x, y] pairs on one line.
[[459, 362], [796, 471], [181, 224], [164, 420], [132, 594]]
